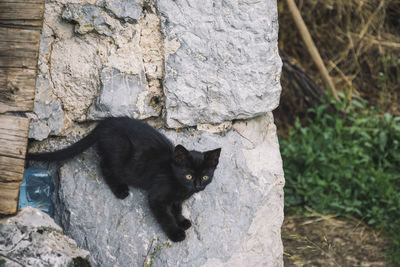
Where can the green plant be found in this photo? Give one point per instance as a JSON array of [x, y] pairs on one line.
[[346, 160], [148, 262], [388, 80]]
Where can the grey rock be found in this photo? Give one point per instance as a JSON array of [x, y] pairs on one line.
[[227, 66], [32, 238], [88, 18], [128, 10], [124, 94], [39, 130], [48, 115], [239, 215]]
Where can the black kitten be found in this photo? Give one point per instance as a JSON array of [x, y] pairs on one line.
[[133, 153]]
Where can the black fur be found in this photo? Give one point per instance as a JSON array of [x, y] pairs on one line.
[[133, 153]]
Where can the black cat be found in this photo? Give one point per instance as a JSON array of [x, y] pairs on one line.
[[133, 153]]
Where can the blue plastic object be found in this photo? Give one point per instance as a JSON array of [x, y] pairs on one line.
[[36, 190]]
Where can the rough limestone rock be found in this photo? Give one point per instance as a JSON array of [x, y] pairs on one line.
[[88, 18], [79, 42], [128, 10], [236, 220], [32, 238], [227, 66], [48, 114], [123, 94]]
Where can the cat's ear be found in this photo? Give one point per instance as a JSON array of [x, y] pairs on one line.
[[211, 157], [180, 155]]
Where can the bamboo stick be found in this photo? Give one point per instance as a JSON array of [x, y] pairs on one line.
[[312, 49]]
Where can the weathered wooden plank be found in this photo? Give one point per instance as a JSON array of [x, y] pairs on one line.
[[9, 197], [23, 1], [14, 123], [17, 62], [17, 89], [21, 14], [8, 132], [11, 144], [12, 147], [11, 169], [19, 35], [19, 48], [20, 11], [20, 26]]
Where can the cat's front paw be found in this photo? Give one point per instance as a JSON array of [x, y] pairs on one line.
[[177, 235], [185, 224], [122, 191]]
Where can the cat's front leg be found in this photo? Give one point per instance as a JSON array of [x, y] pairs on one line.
[[180, 220], [163, 213], [119, 189]]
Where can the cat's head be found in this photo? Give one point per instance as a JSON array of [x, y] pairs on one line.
[[194, 169]]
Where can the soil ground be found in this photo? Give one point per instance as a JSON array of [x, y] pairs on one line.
[[325, 240]]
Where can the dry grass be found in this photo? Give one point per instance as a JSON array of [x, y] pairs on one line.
[[325, 240], [352, 37]]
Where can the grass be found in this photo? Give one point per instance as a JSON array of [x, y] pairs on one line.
[[315, 239], [345, 161]]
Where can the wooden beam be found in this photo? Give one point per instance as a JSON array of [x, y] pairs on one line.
[[9, 193], [310, 45], [22, 14], [17, 89], [13, 137], [19, 48], [20, 26], [11, 169], [13, 142]]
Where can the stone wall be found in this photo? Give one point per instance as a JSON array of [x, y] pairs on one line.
[[32, 238], [204, 72]]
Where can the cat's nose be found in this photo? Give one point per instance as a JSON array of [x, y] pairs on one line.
[[199, 188]]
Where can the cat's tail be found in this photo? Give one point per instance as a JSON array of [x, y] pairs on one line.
[[68, 152]]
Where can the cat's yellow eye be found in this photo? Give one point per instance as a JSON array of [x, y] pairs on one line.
[[188, 176], [205, 177]]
